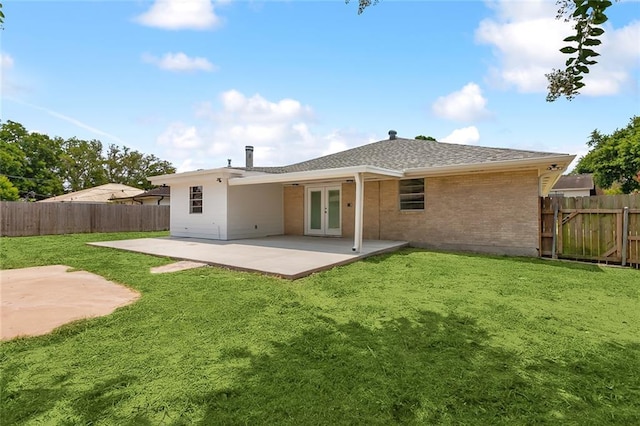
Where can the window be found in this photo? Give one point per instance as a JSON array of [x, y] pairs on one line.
[[412, 194], [195, 199]]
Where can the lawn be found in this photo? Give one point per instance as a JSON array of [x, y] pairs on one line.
[[413, 337]]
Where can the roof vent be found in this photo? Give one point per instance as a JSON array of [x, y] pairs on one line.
[[392, 134]]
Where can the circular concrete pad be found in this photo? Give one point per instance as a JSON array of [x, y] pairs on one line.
[[34, 301]]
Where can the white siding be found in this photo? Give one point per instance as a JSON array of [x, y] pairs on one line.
[[255, 211], [212, 222]]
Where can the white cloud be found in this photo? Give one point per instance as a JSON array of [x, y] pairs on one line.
[[526, 39], [280, 131], [180, 14], [465, 136], [7, 77], [180, 136], [6, 61], [179, 62], [467, 104]]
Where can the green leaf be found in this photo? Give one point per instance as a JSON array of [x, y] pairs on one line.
[[591, 42], [585, 53], [599, 18], [568, 49], [580, 10], [569, 61], [595, 31], [583, 69], [572, 38]]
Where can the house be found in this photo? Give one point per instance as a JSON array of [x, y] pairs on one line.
[[574, 186], [431, 194], [159, 196], [101, 194]]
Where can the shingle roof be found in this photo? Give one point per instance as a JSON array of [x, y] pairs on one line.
[[161, 191], [400, 154], [97, 194], [583, 181]]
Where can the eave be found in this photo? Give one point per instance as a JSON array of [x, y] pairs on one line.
[[316, 175], [178, 177]]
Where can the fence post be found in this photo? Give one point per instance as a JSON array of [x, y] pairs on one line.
[[556, 207], [625, 234]]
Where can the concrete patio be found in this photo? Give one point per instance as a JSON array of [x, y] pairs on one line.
[[285, 256]]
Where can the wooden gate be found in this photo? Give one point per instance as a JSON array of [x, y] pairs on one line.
[[603, 228]]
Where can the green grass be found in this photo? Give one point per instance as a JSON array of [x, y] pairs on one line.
[[414, 337]]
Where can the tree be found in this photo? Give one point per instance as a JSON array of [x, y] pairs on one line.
[[425, 138], [82, 164], [38, 164], [588, 15], [8, 192], [31, 161], [122, 165], [614, 159]]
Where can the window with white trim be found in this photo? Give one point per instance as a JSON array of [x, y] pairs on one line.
[[195, 199], [411, 194]]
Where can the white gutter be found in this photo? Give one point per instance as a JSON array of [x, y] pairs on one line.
[[343, 172], [561, 161], [176, 177]]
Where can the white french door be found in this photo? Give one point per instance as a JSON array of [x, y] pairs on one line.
[[322, 212]]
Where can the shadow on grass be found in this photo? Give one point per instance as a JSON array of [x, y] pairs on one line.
[[434, 370], [565, 264], [89, 407]]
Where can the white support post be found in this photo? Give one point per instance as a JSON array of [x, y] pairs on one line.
[[357, 234]]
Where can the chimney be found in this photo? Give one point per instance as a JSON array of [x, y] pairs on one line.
[[392, 134], [229, 162], [248, 150]]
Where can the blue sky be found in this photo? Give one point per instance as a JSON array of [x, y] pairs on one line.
[[195, 81]]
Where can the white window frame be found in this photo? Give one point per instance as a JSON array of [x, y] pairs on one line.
[[195, 199]]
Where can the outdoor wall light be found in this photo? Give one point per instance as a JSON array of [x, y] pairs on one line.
[[219, 180], [554, 167]]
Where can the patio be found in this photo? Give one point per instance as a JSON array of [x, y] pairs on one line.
[[285, 256]]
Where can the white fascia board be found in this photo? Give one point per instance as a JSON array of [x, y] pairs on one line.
[[311, 175], [539, 163], [180, 177]]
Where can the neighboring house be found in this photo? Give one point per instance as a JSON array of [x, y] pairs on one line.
[[101, 194], [574, 186], [159, 196], [431, 194]]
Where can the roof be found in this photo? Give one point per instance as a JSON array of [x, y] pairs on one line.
[[583, 181], [161, 191], [97, 194], [396, 157], [402, 154]]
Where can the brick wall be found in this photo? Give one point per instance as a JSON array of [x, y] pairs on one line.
[[293, 210], [489, 212]]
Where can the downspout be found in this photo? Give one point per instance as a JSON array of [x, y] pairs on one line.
[[160, 199], [357, 234]]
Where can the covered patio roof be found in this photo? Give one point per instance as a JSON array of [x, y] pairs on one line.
[[314, 175]]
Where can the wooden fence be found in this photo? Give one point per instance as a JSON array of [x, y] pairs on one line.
[[603, 228], [18, 219]]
